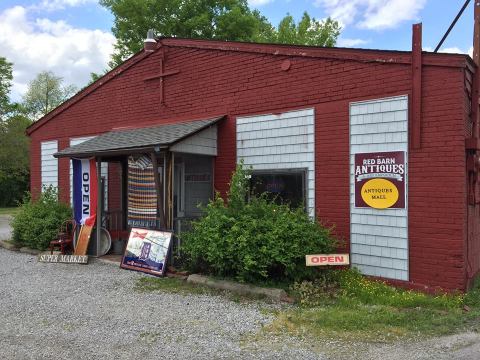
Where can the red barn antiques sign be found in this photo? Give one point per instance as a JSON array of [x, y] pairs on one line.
[[327, 259], [380, 180]]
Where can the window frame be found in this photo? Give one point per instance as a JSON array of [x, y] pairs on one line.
[[288, 171]]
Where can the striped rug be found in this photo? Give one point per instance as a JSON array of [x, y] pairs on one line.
[[142, 194]]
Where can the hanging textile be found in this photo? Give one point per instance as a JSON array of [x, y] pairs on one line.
[[142, 193]]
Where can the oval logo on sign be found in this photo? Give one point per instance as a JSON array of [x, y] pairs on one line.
[[379, 193]]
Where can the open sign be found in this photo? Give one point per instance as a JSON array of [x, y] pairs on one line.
[[327, 259]]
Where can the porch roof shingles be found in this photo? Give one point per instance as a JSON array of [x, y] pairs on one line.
[[129, 140]]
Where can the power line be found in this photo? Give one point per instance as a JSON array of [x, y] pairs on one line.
[[452, 25]]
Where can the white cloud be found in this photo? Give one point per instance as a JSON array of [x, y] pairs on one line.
[[342, 42], [372, 14], [456, 50], [255, 3], [451, 50], [53, 5], [35, 45]]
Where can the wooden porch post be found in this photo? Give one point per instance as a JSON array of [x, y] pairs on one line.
[[169, 196], [159, 187]]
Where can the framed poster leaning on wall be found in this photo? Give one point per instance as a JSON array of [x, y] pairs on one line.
[[147, 251]]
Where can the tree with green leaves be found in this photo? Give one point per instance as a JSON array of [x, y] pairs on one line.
[[204, 19], [14, 144], [45, 93], [14, 159], [5, 85], [308, 31], [208, 19]]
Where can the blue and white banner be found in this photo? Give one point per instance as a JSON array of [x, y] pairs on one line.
[[85, 191]]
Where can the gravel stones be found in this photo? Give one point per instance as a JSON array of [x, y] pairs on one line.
[[67, 311]]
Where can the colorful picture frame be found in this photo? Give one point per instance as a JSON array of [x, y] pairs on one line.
[[147, 251]]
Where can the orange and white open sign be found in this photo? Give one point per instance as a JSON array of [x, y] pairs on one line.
[[327, 259]]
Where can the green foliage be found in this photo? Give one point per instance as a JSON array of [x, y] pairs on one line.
[[208, 19], [38, 222], [201, 19], [14, 144], [253, 240], [322, 290], [45, 93], [5, 85], [308, 31], [95, 76], [14, 161], [472, 298]]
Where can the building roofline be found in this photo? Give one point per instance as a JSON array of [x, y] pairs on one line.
[[303, 51], [342, 53]]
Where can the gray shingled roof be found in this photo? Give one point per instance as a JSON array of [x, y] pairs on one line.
[[123, 141]]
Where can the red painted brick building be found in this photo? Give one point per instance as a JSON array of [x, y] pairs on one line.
[[298, 115]]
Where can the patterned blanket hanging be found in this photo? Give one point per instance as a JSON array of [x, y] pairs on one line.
[[142, 194]]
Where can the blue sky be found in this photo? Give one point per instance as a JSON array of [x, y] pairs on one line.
[[72, 37]]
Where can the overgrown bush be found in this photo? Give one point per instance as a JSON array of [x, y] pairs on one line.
[[37, 222], [254, 240]]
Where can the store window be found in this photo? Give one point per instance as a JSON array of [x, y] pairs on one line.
[[285, 187]]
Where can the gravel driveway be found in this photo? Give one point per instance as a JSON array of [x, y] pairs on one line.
[[59, 311], [5, 229]]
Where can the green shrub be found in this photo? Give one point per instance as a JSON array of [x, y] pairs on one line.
[[253, 240], [37, 222]]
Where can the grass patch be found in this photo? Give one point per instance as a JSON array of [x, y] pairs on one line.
[[361, 309], [9, 210], [178, 286], [170, 285]]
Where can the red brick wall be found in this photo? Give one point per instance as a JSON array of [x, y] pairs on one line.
[[437, 192], [213, 82], [332, 167]]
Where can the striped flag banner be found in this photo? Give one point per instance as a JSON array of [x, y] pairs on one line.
[[85, 191]]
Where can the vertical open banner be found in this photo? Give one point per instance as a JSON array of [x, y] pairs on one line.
[[85, 191]]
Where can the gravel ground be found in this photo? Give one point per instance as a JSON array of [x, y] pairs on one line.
[[59, 311]]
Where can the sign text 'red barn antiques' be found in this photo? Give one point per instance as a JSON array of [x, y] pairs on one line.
[[380, 180]]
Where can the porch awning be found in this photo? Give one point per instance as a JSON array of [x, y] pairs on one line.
[[146, 139]]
